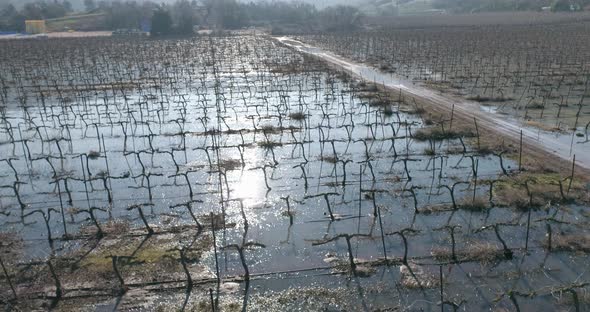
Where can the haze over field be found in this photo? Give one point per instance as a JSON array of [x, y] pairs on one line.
[[79, 4], [329, 155], [375, 5], [387, 7]]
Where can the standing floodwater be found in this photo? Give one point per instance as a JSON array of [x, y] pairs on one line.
[[239, 173]]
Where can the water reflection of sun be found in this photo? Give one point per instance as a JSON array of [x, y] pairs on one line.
[[250, 186], [250, 190]]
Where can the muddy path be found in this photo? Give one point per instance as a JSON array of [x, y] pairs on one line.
[[538, 143]]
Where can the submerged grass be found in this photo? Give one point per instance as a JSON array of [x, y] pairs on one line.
[[544, 187], [571, 242], [437, 134], [268, 144], [478, 204], [298, 116], [481, 252]]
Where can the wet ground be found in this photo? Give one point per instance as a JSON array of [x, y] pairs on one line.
[[258, 174], [564, 144]]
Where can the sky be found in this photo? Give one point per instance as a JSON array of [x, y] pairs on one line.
[[79, 4]]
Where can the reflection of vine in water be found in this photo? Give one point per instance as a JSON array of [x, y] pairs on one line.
[[155, 124]]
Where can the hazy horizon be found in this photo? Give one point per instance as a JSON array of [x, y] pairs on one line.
[[79, 4]]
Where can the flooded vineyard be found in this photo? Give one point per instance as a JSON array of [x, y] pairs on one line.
[[236, 173], [537, 73]]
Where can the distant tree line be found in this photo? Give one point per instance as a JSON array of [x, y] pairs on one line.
[[231, 14], [181, 16], [467, 6], [13, 19]]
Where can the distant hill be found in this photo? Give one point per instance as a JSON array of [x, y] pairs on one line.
[[79, 4], [380, 7], [323, 3], [76, 4]]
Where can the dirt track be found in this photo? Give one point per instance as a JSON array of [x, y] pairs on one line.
[[537, 144]]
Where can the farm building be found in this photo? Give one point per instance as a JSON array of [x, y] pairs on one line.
[[34, 27]]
